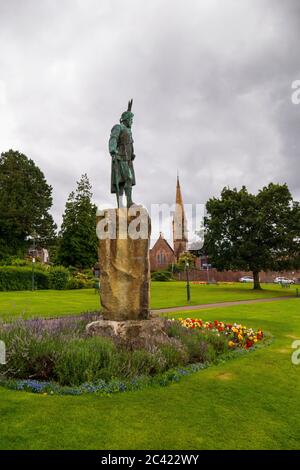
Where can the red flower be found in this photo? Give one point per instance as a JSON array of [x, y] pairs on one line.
[[216, 322], [260, 335]]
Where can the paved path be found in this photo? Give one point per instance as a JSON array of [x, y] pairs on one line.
[[219, 304]]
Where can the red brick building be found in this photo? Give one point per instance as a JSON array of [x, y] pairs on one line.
[[162, 254]]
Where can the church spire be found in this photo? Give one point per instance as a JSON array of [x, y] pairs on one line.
[[179, 223], [179, 199]]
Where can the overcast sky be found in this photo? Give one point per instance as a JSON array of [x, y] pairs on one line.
[[211, 82]]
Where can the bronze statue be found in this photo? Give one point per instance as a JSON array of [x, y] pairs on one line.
[[122, 153]]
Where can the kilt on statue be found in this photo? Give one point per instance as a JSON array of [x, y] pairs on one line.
[[122, 153]]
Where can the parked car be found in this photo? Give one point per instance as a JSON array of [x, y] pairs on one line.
[[283, 280], [246, 279]]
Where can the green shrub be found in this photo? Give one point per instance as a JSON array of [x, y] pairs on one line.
[[14, 278], [161, 276], [83, 280], [30, 356], [199, 350], [73, 283], [129, 364], [201, 346], [88, 273], [84, 360], [80, 280], [14, 261], [58, 277], [174, 356], [219, 343], [19, 262]]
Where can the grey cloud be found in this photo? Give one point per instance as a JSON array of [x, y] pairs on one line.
[[211, 83]]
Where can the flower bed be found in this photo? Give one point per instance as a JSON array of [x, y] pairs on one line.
[[58, 356], [238, 335]]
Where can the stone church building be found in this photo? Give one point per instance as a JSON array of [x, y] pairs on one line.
[[162, 254]]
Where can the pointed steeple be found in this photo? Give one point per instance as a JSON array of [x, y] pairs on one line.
[[179, 223], [179, 199]]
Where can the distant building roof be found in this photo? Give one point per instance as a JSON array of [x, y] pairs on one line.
[[161, 238]]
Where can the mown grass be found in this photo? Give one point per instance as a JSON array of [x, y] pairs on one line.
[[251, 402], [50, 303]]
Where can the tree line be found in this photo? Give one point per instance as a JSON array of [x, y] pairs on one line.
[[242, 231], [25, 203]]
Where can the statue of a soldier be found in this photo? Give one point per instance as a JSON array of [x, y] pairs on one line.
[[122, 153]]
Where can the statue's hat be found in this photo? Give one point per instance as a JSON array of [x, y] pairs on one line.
[[127, 114]]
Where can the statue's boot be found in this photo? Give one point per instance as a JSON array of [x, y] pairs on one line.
[[128, 192]]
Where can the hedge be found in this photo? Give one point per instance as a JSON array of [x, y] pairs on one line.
[[161, 276], [58, 277], [20, 278]]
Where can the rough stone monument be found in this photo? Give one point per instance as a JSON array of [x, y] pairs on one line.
[[124, 263]]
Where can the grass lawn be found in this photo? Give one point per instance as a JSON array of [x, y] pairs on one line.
[[163, 294], [250, 402], [172, 294]]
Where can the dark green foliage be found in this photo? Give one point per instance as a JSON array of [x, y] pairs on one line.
[[15, 261], [14, 278], [78, 241], [84, 360], [84, 281], [253, 232], [19, 277], [161, 276], [25, 200], [174, 356], [74, 283], [201, 346], [219, 343], [58, 278]]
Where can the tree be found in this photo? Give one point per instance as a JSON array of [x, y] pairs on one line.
[[77, 245], [25, 200], [184, 258], [253, 232]]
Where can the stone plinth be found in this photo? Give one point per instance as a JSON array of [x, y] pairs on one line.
[[135, 334], [124, 263]]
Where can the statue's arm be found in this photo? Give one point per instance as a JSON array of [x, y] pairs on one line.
[[113, 140], [133, 154]]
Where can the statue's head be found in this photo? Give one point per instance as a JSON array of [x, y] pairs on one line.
[[127, 116]]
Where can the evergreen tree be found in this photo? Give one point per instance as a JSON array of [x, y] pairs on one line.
[[78, 241], [25, 200]]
